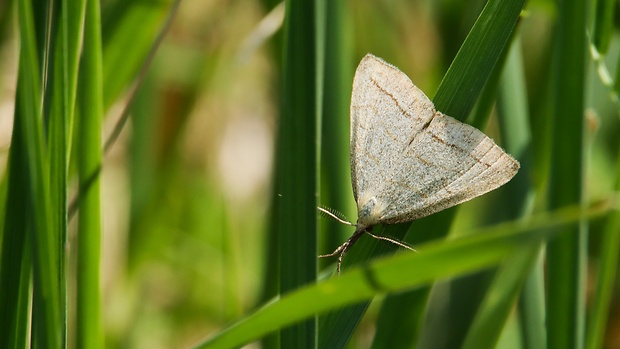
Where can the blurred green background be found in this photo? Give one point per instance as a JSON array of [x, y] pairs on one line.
[[189, 190]]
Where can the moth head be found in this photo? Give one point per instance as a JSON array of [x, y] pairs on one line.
[[370, 210]]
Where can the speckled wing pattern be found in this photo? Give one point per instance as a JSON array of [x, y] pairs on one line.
[[408, 157]]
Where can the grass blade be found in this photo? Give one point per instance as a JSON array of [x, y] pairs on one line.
[[47, 319], [513, 116], [60, 97], [440, 260], [89, 326], [298, 156], [566, 255], [606, 274], [603, 24], [15, 267], [335, 172]]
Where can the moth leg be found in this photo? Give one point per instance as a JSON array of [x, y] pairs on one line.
[[394, 241], [342, 249]]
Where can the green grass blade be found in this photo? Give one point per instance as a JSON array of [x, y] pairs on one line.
[[394, 326], [566, 255], [439, 260], [335, 171], [616, 85], [514, 121], [60, 97], [532, 308], [607, 269], [15, 267], [297, 157], [603, 24], [474, 63], [47, 319], [129, 31], [89, 321], [493, 313], [336, 178], [605, 280]]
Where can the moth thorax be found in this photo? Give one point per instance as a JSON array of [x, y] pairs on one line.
[[370, 211]]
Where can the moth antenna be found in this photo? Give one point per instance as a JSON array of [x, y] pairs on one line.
[[394, 241], [330, 212]]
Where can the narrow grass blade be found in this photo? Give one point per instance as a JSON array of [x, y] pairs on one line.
[[125, 54], [89, 320], [603, 24], [606, 276], [532, 308], [59, 108], [335, 170], [474, 63], [503, 292], [566, 255], [15, 265], [47, 321], [520, 194], [297, 158], [440, 260]]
